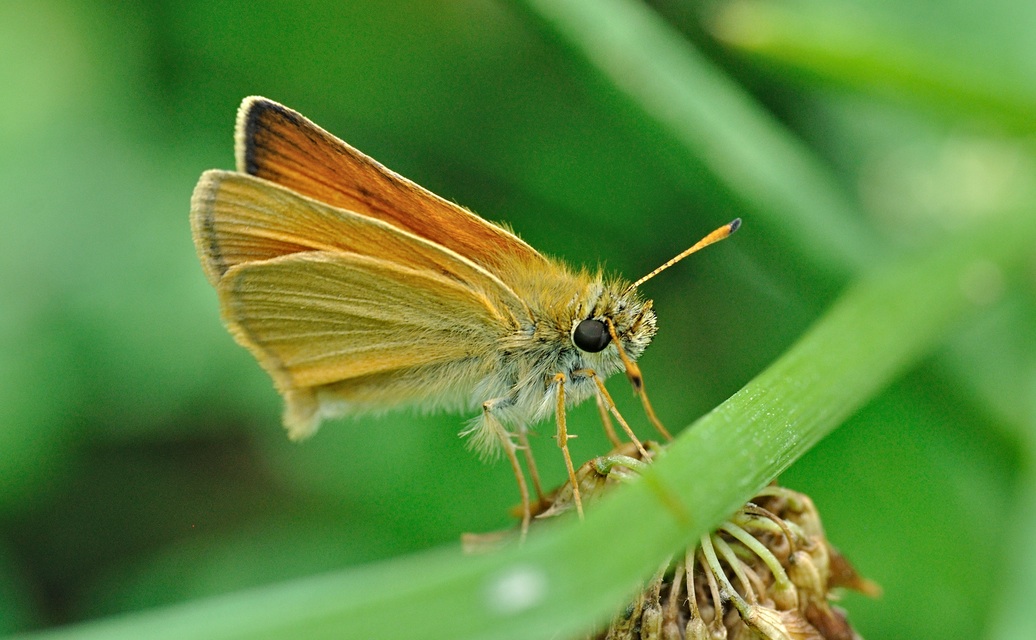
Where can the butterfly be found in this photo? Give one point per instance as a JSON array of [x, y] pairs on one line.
[[359, 291]]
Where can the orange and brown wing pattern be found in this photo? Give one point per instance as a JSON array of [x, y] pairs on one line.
[[281, 145], [237, 219]]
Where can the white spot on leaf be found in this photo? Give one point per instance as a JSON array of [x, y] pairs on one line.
[[516, 590]]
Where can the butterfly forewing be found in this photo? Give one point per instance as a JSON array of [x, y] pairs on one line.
[[238, 219], [282, 146]]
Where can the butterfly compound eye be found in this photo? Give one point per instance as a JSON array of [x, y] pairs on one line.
[[591, 336]]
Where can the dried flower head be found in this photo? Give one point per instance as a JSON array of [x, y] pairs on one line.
[[767, 572]]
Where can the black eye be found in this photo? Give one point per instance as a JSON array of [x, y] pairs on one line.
[[591, 336]]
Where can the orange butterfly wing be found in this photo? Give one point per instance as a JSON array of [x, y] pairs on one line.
[[281, 145], [356, 289], [346, 312], [238, 218]]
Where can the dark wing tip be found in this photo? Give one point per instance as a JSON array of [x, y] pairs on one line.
[[252, 118]]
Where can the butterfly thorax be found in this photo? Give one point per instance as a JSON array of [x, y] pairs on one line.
[[531, 356]]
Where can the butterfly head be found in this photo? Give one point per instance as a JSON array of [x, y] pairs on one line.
[[618, 324]]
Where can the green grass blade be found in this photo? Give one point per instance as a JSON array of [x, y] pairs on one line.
[[1012, 619], [849, 49]]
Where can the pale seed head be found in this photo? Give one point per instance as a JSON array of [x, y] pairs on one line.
[[773, 579]]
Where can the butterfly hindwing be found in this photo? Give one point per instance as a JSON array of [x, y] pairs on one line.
[[317, 320]]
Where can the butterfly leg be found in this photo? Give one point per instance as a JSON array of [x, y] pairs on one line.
[[530, 464], [651, 413], [605, 397], [609, 428], [637, 381], [562, 438], [491, 422]]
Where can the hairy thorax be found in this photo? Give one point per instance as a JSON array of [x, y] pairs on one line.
[[541, 347]]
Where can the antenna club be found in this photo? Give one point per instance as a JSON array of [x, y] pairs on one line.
[[717, 235]]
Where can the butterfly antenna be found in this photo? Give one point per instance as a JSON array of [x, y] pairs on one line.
[[719, 234]]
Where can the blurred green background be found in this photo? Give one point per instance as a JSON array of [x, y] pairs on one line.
[[142, 462]]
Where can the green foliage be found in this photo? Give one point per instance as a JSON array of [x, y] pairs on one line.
[[883, 281]]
